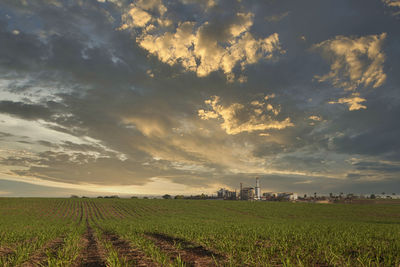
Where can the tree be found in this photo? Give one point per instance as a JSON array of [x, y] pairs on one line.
[[134, 197], [179, 197], [372, 196], [166, 196]]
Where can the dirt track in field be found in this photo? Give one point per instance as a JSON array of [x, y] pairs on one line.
[[92, 254], [125, 250], [190, 253]]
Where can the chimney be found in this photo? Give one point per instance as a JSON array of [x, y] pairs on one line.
[[258, 191]]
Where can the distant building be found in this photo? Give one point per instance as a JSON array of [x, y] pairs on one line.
[[247, 193], [226, 194], [275, 196], [288, 196]]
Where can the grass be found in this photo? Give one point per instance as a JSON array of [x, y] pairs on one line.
[[243, 233]]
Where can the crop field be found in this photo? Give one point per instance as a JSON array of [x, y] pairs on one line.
[[141, 232]]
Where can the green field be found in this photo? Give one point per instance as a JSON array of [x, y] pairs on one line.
[[140, 232]]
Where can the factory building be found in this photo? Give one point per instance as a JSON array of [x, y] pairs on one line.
[[250, 193], [226, 194], [247, 193]]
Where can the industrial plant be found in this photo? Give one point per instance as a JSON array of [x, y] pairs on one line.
[[254, 193]]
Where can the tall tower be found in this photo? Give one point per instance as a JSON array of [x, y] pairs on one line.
[[241, 191], [258, 191]]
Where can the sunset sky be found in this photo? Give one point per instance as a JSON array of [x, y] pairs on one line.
[[153, 96]]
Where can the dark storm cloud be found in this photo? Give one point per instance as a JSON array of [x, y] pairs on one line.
[[374, 131], [26, 111], [377, 166], [142, 113]]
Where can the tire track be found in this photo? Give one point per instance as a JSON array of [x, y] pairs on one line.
[[192, 254], [92, 253], [132, 255]]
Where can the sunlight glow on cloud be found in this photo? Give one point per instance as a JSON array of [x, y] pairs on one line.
[[355, 62], [194, 46], [119, 96], [354, 102], [237, 118], [392, 3], [315, 118]]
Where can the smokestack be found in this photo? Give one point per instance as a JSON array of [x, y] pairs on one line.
[[258, 191]]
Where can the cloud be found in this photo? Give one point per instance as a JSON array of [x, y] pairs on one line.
[[238, 118], [392, 3], [353, 102], [198, 47], [87, 105], [26, 111], [315, 118], [355, 62], [278, 17], [205, 3]]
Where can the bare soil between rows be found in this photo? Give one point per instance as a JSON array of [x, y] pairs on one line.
[[92, 254], [191, 254], [4, 251], [125, 250], [39, 257]]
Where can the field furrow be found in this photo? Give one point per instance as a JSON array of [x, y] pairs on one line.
[[126, 253], [155, 232], [190, 253], [92, 253]]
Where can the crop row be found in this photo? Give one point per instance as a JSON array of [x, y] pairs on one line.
[[128, 232]]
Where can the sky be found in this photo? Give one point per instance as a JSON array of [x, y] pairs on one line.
[[187, 96]]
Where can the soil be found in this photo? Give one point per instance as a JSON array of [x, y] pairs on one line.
[[125, 250], [4, 251], [39, 257], [192, 254], [92, 254]]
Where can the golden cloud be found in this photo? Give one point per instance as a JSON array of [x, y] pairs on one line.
[[237, 118], [354, 102], [392, 3], [194, 48], [355, 62], [315, 118]]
